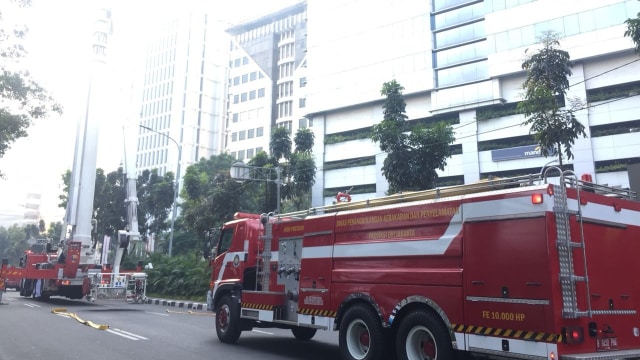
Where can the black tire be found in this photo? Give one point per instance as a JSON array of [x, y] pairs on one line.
[[227, 321], [304, 333], [422, 335], [361, 336]]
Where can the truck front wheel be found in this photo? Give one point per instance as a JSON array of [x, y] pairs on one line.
[[303, 333], [227, 321], [423, 336], [361, 336]]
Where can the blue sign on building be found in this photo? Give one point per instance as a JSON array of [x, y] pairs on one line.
[[519, 152]]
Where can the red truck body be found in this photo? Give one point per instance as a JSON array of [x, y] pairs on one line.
[[526, 271]]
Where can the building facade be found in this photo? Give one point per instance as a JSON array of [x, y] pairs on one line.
[[460, 62], [266, 80], [181, 95]]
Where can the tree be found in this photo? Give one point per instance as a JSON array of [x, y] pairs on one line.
[[155, 201], [23, 99], [413, 152], [155, 197], [548, 71], [297, 168], [633, 31], [210, 198]]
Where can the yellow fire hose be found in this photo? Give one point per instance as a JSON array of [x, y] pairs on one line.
[[63, 311]]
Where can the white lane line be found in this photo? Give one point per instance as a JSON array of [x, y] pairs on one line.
[[32, 305], [155, 313], [127, 334], [263, 332]]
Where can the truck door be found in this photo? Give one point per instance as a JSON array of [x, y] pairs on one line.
[[506, 274], [223, 265]]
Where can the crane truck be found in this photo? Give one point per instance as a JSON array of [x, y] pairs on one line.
[[68, 268], [532, 267]]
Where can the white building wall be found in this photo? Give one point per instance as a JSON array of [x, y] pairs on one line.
[[377, 41]]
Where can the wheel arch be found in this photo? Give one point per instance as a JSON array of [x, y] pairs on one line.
[[358, 298], [420, 302], [233, 290]]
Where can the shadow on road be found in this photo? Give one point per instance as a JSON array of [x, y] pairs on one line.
[[290, 348]]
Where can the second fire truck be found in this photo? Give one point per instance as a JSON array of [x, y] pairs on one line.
[[522, 268]]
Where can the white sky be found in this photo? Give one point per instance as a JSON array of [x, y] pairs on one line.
[[59, 46]]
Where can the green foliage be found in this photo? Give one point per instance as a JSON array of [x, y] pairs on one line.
[[413, 152], [357, 134], [633, 31], [13, 242], [211, 197], [23, 99], [624, 127], [348, 163], [155, 197], [508, 142], [613, 92], [304, 140], [280, 143], [548, 72], [497, 111], [353, 190], [178, 276], [299, 173], [155, 201], [605, 166]]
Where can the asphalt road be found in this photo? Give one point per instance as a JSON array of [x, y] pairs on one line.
[[30, 330]]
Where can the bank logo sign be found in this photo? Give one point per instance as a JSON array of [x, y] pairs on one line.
[[519, 152]]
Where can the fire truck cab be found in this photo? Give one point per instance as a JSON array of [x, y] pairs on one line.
[[521, 268]]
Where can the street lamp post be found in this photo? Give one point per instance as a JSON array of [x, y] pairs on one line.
[[176, 186], [241, 171]]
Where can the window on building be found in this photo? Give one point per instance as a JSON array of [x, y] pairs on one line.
[[241, 155], [302, 102], [261, 92], [234, 137], [235, 117], [249, 153], [245, 60], [258, 149], [260, 132], [236, 80], [236, 99], [245, 78], [251, 133], [242, 135], [253, 76], [243, 97], [236, 62], [303, 81], [252, 94]]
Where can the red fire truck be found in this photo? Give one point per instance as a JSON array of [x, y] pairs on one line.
[[532, 267]]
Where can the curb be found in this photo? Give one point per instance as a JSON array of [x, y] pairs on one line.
[[177, 303]]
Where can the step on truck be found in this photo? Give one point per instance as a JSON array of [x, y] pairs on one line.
[[534, 267]]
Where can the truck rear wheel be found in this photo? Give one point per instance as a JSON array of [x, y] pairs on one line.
[[361, 336], [423, 336], [227, 321], [303, 333]]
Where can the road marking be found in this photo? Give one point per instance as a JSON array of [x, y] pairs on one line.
[[32, 305], [126, 334], [263, 332], [155, 313]]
